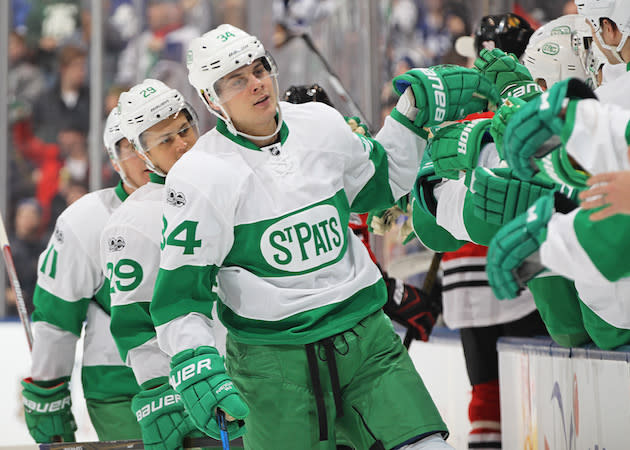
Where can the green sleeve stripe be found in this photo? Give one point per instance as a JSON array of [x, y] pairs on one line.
[[431, 234], [603, 241], [480, 231], [68, 316], [108, 382], [103, 298], [569, 121], [628, 132], [131, 326], [376, 194], [182, 291]]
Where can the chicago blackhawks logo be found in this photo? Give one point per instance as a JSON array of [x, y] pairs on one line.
[[305, 240], [175, 198]]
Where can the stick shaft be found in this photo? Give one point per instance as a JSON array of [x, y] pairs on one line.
[[206, 442], [15, 284], [427, 287], [336, 82]]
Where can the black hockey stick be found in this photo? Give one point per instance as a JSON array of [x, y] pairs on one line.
[[189, 443], [15, 284], [336, 83], [427, 287]]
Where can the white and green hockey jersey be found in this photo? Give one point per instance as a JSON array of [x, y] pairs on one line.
[[71, 289], [270, 226], [597, 135], [130, 256]]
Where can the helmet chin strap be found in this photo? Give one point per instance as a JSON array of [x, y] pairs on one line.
[[616, 51]]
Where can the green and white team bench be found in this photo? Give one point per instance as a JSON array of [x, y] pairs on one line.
[[189, 443]]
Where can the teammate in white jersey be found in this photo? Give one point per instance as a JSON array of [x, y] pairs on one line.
[[262, 211], [71, 289], [162, 127]]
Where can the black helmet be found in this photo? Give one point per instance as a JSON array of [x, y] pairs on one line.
[[305, 93], [509, 32]]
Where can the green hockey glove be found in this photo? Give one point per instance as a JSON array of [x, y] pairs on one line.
[[531, 130], [162, 418], [500, 120], [441, 93], [499, 196], [199, 376], [506, 73], [357, 127], [48, 411], [507, 266], [456, 147]]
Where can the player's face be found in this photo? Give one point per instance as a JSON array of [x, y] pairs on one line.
[[252, 105], [166, 141], [135, 169]]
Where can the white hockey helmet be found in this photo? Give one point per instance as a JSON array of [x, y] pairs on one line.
[[616, 10], [112, 135], [218, 53], [560, 50], [147, 104]]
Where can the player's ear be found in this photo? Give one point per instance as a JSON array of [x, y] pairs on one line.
[[211, 103]]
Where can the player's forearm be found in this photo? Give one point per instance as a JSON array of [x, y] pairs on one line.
[[53, 352]]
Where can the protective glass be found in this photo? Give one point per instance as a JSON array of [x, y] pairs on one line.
[[124, 150], [184, 126], [235, 82]]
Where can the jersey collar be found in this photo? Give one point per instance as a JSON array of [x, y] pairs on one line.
[[155, 178], [240, 140], [120, 192]]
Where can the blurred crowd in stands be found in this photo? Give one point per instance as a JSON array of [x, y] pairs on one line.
[[49, 92]]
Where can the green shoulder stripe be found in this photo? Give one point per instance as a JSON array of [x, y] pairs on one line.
[[181, 291], [131, 326], [376, 194], [66, 315]]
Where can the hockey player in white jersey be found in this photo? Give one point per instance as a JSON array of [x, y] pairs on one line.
[[71, 289], [610, 20], [162, 127], [262, 211]]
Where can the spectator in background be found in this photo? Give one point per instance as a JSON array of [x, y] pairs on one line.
[[26, 81], [67, 102], [50, 25], [26, 246], [166, 40]]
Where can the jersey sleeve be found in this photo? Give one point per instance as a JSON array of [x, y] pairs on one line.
[[597, 135], [68, 277], [378, 171], [130, 260], [579, 248], [455, 213], [197, 235]]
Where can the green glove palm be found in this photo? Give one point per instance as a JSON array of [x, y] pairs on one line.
[[163, 420], [48, 411], [199, 376], [456, 147], [509, 76], [529, 129], [439, 94], [513, 244], [499, 196]]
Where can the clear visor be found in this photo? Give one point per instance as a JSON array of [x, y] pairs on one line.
[[178, 129], [232, 84], [124, 150]]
